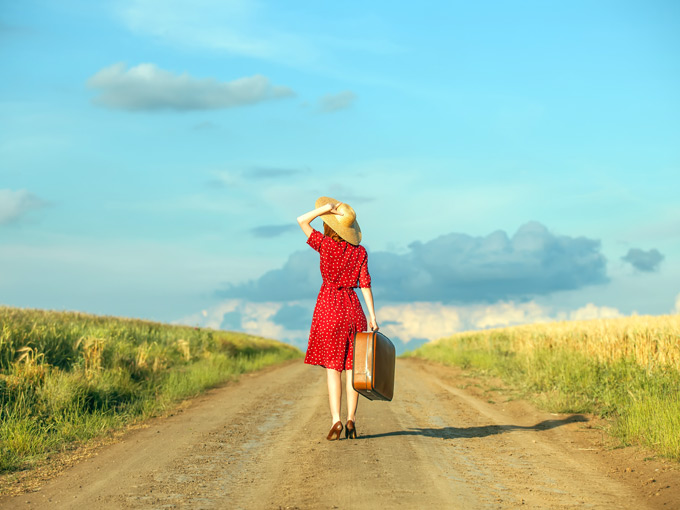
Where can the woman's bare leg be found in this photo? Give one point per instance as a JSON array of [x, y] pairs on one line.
[[352, 398], [334, 393]]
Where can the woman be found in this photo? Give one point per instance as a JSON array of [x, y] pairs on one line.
[[338, 314]]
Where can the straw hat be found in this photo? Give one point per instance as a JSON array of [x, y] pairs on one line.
[[345, 225]]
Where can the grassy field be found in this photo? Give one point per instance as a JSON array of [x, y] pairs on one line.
[[69, 377], [626, 369]]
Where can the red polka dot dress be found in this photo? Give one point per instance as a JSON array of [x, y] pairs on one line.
[[338, 314]]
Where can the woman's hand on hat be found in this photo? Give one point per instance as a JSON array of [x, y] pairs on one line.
[[335, 209]]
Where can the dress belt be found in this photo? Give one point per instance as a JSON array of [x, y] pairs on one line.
[[338, 287]]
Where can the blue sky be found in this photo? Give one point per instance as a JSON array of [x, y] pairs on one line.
[[508, 161]]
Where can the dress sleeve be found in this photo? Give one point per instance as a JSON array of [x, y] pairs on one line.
[[315, 240], [364, 276]]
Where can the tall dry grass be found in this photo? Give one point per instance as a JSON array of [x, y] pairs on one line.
[[650, 341], [66, 377], [625, 369]]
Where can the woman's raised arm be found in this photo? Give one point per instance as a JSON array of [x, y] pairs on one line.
[[305, 220]]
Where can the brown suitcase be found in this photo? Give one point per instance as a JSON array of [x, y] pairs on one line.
[[373, 366]]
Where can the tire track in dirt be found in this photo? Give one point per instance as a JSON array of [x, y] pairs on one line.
[[260, 443]]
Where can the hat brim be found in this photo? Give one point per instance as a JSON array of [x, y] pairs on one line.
[[351, 233]]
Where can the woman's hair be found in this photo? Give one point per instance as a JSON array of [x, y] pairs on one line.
[[329, 232]]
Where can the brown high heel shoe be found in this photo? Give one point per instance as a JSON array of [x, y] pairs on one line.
[[350, 430], [335, 432]]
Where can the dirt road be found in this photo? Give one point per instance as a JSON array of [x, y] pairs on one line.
[[260, 444]]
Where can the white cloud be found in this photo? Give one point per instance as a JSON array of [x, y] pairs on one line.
[[502, 314], [234, 26], [147, 87], [677, 304], [335, 102], [251, 318], [265, 30], [419, 320], [436, 320], [14, 204], [590, 311]]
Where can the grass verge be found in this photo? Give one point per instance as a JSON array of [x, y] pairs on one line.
[[641, 401], [66, 378]]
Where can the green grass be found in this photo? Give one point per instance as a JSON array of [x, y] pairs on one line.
[[66, 378], [642, 404]]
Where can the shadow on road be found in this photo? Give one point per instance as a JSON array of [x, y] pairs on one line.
[[484, 431]]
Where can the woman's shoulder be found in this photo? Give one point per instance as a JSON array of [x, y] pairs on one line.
[[357, 248], [315, 239]]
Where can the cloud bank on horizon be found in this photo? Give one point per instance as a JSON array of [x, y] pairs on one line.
[[453, 268], [408, 325]]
